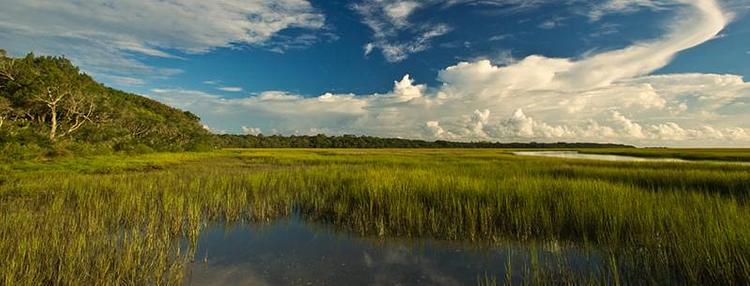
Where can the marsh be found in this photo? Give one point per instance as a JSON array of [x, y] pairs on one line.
[[472, 216]]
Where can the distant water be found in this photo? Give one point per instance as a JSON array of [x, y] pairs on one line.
[[621, 158], [294, 252], [576, 155]]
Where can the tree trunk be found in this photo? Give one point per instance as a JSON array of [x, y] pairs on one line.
[[53, 121]]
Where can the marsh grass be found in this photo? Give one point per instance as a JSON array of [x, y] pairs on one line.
[[653, 222]]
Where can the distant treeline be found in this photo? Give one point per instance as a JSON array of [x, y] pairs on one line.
[[352, 141]]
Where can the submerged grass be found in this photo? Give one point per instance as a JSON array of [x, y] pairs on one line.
[[652, 222]]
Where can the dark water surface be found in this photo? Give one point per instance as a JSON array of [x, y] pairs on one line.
[[294, 252]]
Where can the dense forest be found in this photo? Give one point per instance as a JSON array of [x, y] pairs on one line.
[[48, 107]]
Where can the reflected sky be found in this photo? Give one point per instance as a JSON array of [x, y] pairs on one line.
[[293, 252]]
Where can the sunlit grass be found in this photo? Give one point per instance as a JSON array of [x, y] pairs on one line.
[[135, 220]]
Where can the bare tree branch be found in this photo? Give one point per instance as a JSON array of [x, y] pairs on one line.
[[52, 98], [7, 68], [77, 113]]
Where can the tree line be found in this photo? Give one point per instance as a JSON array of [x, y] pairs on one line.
[[353, 141]]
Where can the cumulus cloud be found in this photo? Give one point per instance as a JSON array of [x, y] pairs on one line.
[[250, 130], [434, 130], [92, 34], [440, 114], [602, 97]]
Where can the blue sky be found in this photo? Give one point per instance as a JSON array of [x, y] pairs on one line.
[[645, 72]]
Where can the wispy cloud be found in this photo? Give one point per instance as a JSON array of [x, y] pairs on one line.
[[230, 88], [92, 33], [398, 37], [499, 37], [389, 21], [599, 9], [219, 85], [547, 25]]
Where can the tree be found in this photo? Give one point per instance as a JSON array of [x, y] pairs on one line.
[[67, 108], [5, 110], [48, 98], [7, 68], [77, 111]]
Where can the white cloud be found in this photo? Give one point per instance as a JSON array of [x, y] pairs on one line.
[[627, 125], [603, 97], [92, 33], [434, 130], [398, 38], [599, 70], [230, 88], [499, 37], [398, 51], [251, 131], [405, 89], [124, 80], [411, 111], [625, 6], [399, 11], [368, 48], [218, 85], [389, 19], [547, 25]]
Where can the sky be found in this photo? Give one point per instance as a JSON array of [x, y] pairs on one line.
[[642, 72]]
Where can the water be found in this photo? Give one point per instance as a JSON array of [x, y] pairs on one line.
[[576, 155], [294, 252], [620, 158]]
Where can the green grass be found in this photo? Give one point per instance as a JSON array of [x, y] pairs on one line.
[[112, 220]]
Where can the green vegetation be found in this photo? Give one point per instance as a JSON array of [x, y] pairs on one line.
[[127, 222], [49, 108]]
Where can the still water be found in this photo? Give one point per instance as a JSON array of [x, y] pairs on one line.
[[294, 252], [576, 155]]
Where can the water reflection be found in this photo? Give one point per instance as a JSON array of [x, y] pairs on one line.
[[293, 252], [576, 155]]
